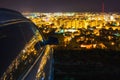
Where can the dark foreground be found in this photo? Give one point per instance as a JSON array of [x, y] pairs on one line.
[[94, 64]]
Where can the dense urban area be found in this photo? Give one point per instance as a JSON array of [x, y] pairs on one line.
[[89, 43], [81, 30]]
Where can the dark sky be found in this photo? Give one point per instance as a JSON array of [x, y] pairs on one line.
[[61, 5]]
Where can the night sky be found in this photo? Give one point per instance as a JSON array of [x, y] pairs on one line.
[[61, 5]]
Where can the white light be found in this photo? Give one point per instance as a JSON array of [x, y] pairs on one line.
[[112, 18]]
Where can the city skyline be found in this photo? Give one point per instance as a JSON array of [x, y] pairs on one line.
[[62, 5]]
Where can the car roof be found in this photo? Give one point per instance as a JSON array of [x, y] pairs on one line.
[[7, 15]]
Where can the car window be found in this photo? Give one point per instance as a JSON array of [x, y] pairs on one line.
[[26, 30], [16, 43], [11, 42]]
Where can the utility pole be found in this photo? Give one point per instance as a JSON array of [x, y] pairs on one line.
[[103, 6], [103, 10]]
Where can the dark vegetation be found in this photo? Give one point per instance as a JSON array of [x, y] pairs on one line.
[[94, 64]]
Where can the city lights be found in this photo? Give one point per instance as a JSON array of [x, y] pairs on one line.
[[88, 29]]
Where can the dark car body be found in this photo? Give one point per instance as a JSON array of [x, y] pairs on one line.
[[24, 54]]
